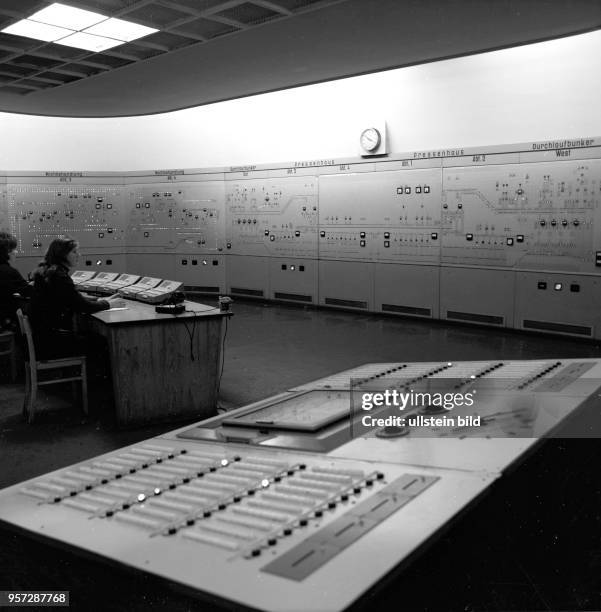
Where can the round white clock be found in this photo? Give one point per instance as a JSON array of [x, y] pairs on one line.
[[370, 139]]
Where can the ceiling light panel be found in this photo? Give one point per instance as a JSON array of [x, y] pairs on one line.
[[120, 29], [89, 42], [39, 31], [67, 17]]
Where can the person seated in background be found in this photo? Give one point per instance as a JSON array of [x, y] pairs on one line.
[[11, 283], [55, 300]]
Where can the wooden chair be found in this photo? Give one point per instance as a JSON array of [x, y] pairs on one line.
[[33, 367], [7, 349]]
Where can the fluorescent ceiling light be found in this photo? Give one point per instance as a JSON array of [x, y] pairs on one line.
[[67, 17], [77, 28], [39, 31], [120, 29], [89, 42]]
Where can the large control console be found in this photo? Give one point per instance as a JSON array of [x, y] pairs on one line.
[[298, 502]]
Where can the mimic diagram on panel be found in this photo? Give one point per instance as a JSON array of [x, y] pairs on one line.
[[91, 214], [276, 217], [381, 216], [184, 217], [535, 215]]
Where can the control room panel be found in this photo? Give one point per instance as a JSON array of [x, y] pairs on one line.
[[509, 236]]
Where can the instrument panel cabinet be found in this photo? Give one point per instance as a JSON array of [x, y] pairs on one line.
[[567, 304], [248, 276], [293, 280], [200, 272], [407, 290], [159, 265], [346, 284], [477, 296]]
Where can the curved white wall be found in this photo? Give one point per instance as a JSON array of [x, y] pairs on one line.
[[535, 92]]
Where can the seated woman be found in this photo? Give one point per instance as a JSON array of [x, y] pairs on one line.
[[55, 300], [11, 282]]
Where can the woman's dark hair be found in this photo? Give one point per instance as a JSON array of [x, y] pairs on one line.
[[8, 243], [57, 252]]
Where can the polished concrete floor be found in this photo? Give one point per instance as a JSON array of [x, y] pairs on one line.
[[491, 558]]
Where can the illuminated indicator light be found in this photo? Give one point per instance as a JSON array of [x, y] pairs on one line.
[[558, 286], [399, 190], [99, 262], [141, 497], [449, 364], [292, 267], [509, 241], [418, 189], [362, 243], [157, 491], [407, 190], [472, 377], [265, 483], [224, 462], [386, 244], [426, 189], [272, 238], [204, 262]]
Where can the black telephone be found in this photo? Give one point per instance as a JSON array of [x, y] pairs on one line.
[[174, 304]]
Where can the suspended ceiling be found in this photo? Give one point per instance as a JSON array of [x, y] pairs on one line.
[[212, 50]]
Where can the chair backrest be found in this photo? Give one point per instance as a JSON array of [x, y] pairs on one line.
[[25, 327]]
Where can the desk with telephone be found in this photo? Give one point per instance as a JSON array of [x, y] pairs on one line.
[[165, 351]]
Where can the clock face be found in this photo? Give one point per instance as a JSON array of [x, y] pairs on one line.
[[370, 139]]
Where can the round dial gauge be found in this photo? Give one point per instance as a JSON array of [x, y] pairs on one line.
[[370, 139]]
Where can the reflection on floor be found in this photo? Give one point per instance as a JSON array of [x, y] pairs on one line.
[[534, 542]]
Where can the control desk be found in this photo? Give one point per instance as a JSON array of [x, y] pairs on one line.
[[306, 500]]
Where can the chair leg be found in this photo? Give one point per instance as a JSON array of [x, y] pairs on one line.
[[27, 391], [32, 395], [84, 388]]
